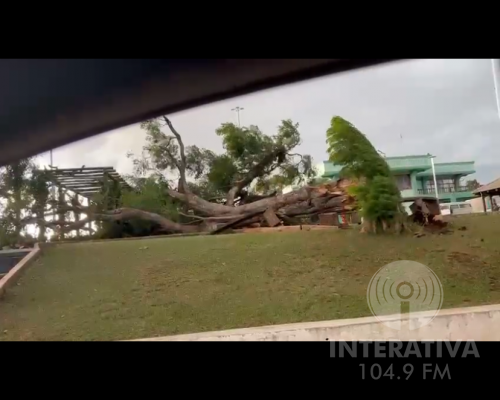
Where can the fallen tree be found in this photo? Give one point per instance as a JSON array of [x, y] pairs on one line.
[[304, 201], [251, 158]]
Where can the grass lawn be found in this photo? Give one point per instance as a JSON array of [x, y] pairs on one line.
[[116, 290]]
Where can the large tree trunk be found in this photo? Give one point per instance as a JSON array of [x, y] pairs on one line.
[[304, 194]]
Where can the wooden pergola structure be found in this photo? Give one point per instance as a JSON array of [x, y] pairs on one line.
[[86, 182], [489, 190]]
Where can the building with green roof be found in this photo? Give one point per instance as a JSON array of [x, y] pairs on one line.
[[415, 179]]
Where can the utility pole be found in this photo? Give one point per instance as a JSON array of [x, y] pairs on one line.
[[238, 109], [434, 176], [495, 84]]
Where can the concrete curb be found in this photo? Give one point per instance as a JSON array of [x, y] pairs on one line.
[[471, 323], [15, 273]]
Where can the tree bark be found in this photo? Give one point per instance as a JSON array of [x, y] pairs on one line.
[[182, 186], [130, 213], [277, 202], [246, 218], [17, 213]]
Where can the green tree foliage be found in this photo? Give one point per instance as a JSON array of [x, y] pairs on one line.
[[472, 184], [251, 159], [148, 195], [38, 190], [376, 191], [7, 235], [268, 159], [109, 198], [14, 179]]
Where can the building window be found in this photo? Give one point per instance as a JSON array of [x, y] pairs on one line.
[[403, 182], [444, 185]]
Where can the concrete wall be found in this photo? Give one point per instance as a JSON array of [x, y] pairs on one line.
[[471, 323], [15, 273], [477, 204], [408, 193], [414, 183], [419, 184], [9, 258]]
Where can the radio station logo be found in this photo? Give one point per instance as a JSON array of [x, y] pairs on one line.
[[404, 287]]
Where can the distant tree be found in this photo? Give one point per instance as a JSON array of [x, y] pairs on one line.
[[14, 182], [38, 189], [376, 191], [472, 184]]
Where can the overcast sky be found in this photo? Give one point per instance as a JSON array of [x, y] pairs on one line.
[[443, 107]]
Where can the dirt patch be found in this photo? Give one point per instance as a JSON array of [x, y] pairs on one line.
[[465, 265], [437, 226], [464, 259], [494, 283]]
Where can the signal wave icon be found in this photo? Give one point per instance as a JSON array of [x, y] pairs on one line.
[[404, 287]]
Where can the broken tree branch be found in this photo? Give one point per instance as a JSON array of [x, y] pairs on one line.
[[235, 222], [256, 171], [182, 166]]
